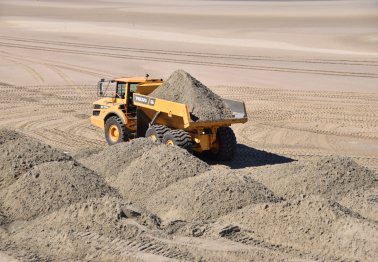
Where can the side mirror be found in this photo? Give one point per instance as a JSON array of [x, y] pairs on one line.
[[100, 88]]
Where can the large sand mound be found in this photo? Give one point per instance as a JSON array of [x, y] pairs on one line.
[[156, 169], [71, 212], [331, 177], [208, 196], [18, 154], [88, 230], [313, 224], [107, 215], [202, 102], [115, 159], [50, 186]]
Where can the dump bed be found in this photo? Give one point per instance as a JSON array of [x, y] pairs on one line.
[[177, 115]]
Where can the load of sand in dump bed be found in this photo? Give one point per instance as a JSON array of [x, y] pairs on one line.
[[208, 196], [19, 153], [50, 186], [203, 104]]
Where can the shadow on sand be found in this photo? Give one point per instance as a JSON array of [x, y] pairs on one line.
[[250, 157]]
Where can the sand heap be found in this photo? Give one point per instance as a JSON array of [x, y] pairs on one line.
[[332, 178], [202, 102], [156, 169], [50, 186], [19, 153], [130, 197], [208, 196], [314, 225], [98, 229], [8, 135], [114, 159]]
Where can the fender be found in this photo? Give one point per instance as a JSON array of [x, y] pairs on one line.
[[117, 113]]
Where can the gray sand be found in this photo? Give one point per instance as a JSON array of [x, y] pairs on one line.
[[203, 104], [131, 198]]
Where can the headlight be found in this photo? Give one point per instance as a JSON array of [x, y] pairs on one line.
[[100, 106]]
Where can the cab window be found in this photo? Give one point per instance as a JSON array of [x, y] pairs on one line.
[[121, 86], [132, 90]]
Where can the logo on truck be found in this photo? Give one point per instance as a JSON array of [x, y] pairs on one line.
[[141, 99]]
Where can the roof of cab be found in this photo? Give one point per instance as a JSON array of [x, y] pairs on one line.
[[136, 79]]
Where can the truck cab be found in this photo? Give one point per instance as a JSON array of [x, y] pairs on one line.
[[116, 109]]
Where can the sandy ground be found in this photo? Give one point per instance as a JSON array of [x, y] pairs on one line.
[[307, 71]]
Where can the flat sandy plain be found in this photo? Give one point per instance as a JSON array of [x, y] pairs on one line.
[[307, 70]]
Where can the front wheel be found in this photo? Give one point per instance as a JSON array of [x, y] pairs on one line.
[[115, 131]]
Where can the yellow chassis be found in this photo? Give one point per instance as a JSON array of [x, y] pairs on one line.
[[171, 114]]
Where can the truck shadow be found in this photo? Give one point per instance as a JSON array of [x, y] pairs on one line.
[[250, 157]]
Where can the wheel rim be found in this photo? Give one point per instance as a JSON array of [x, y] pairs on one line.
[[169, 142], [113, 133], [152, 137]]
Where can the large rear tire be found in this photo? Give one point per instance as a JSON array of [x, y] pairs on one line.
[[115, 131], [226, 144], [178, 138], [156, 132]]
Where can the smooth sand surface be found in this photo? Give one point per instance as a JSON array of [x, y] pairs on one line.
[[306, 45]]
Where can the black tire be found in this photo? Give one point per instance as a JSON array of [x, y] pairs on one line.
[[226, 144], [178, 138], [156, 132], [123, 132]]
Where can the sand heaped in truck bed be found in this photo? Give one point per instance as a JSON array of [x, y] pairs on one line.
[[203, 104]]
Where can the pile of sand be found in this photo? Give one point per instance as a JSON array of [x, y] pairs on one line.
[[363, 201], [104, 216], [53, 206], [19, 153], [8, 135], [312, 224], [50, 186], [203, 104], [331, 177], [156, 169], [101, 224], [208, 196], [115, 159]]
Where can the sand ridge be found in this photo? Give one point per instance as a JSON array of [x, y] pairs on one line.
[[62, 209]]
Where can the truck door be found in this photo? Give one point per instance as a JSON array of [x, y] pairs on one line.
[[120, 92], [131, 108]]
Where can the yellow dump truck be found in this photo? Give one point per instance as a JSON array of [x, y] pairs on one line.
[[130, 113]]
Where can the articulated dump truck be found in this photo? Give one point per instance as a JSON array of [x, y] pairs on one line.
[[131, 113]]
